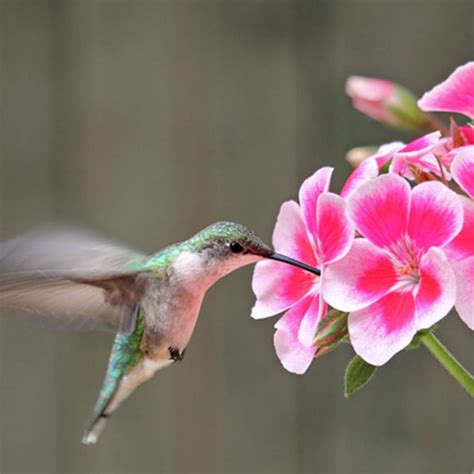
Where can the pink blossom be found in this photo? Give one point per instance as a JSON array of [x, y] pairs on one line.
[[385, 101], [455, 94], [317, 232], [460, 252], [396, 280]]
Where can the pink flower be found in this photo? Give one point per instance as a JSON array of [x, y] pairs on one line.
[[460, 252], [385, 101], [396, 280], [455, 94], [316, 232]]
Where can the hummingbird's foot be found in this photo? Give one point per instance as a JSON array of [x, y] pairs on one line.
[[175, 355]]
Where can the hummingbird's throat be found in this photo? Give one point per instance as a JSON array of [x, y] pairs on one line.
[[291, 261]]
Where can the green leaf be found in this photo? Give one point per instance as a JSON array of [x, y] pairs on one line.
[[358, 373]]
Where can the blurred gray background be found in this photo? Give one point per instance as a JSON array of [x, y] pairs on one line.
[[148, 120]]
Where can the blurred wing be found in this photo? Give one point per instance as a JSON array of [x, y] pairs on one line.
[[71, 279], [68, 250]]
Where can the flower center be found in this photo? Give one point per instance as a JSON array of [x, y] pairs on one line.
[[407, 270], [408, 275], [406, 263]]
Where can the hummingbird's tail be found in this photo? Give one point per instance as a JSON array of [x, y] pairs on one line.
[[114, 392], [123, 359], [92, 433], [128, 368]]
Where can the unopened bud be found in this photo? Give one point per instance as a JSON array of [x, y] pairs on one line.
[[355, 156], [331, 331], [387, 102]]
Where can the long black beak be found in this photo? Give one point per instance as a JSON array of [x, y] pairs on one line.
[[290, 261]]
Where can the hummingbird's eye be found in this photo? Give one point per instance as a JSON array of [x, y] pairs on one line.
[[235, 247]]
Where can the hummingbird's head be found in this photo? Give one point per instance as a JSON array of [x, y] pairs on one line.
[[230, 246]]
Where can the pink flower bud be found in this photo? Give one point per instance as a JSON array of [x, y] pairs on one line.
[[386, 102]]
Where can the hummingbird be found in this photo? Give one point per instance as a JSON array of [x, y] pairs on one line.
[[72, 279]]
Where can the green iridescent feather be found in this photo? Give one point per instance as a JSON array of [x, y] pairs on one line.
[[203, 239], [125, 355]]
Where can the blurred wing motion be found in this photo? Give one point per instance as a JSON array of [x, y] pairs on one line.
[[71, 279]]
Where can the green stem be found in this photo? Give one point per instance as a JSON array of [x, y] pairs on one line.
[[447, 360]]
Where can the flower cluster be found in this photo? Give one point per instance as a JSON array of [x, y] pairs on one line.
[[395, 248]]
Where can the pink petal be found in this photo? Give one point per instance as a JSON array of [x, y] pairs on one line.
[[420, 146], [427, 163], [455, 94], [367, 170], [443, 146], [309, 324], [436, 216], [437, 289], [291, 320], [462, 246], [467, 133], [370, 168], [464, 272], [368, 88], [381, 330], [334, 232], [375, 110], [310, 190], [462, 168], [363, 276], [293, 355], [290, 236], [415, 152], [379, 209], [278, 286], [386, 151]]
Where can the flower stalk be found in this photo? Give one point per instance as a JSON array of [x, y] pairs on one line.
[[449, 362]]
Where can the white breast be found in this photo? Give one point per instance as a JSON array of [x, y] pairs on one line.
[[191, 268]]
